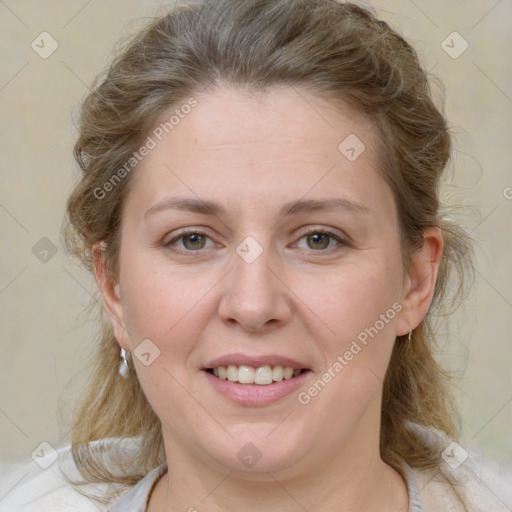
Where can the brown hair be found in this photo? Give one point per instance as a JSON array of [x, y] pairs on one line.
[[337, 51]]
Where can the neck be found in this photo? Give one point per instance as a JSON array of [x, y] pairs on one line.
[[358, 485]]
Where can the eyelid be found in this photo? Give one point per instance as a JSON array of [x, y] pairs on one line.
[[322, 229]]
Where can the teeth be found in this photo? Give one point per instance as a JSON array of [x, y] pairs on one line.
[[262, 375], [245, 374], [278, 373]]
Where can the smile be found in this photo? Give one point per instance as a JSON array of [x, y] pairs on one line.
[[259, 387], [262, 375]]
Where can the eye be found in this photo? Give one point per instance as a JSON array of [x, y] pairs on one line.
[[319, 240], [191, 241]]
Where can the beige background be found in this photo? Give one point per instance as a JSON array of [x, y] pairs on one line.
[[44, 338]]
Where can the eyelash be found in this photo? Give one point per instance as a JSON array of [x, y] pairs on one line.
[[311, 231]]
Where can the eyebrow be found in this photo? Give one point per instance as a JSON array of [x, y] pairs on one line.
[[205, 207]]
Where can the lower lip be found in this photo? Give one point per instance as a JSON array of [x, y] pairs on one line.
[[256, 394]]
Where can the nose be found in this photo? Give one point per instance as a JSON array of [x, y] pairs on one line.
[[255, 295]]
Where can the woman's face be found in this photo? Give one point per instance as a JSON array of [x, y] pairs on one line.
[[294, 261]]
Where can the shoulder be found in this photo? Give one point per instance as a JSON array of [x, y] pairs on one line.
[[41, 485], [463, 482]]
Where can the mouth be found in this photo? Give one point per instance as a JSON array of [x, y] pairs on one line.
[[262, 375], [256, 386]]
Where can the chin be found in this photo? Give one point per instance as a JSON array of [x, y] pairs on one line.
[[260, 448]]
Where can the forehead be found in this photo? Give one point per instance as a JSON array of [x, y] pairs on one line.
[[251, 144], [280, 115]]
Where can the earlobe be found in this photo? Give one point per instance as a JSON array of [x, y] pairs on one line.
[[420, 281], [110, 293]]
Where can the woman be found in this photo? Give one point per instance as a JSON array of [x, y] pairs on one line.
[[259, 207]]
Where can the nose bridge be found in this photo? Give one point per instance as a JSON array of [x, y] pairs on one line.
[[251, 264], [254, 296]]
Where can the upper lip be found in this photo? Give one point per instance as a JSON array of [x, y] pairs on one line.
[[255, 361]]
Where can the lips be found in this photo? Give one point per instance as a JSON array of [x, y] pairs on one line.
[[223, 374], [254, 395]]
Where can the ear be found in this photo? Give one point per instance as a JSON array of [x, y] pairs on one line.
[[420, 281], [110, 293]]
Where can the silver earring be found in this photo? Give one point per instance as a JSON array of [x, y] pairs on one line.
[[410, 336], [124, 369]]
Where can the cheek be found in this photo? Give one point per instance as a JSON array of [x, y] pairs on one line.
[[162, 303], [360, 308], [355, 298], [167, 307]]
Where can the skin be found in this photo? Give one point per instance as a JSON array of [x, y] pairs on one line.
[[302, 298]]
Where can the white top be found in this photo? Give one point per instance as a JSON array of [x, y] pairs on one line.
[[40, 487]]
